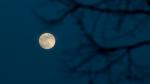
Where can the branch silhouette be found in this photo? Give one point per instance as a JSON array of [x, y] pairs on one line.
[[104, 51]]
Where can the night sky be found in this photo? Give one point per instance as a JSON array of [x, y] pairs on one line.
[[97, 42]]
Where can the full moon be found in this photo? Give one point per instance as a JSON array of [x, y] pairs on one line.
[[47, 40]]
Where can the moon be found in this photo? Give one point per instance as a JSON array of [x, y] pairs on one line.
[[47, 41]]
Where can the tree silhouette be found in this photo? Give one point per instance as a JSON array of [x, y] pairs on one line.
[[148, 2], [133, 72]]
